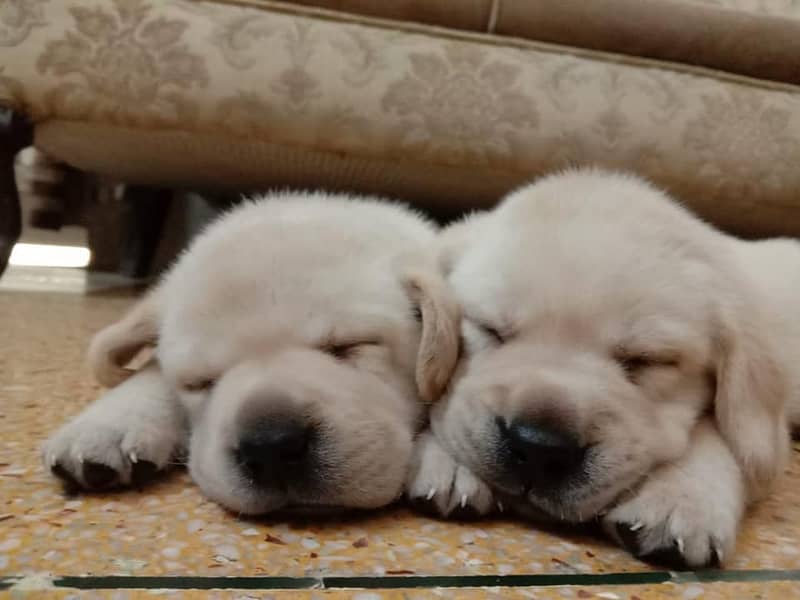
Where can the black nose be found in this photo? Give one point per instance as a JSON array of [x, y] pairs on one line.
[[274, 447], [542, 456]]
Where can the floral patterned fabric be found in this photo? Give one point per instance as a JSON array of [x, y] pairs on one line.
[[777, 8], [405, 94]]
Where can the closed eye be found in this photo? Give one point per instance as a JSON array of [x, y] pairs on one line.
[[345, 350], [634, 364], [199, 385], [492, 332]]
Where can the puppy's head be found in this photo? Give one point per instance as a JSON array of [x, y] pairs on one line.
[[299, 334], [600, 322]]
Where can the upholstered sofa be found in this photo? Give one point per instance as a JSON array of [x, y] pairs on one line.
[[444, 103]]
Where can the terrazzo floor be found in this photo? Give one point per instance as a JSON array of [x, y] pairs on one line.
[[168, 540]]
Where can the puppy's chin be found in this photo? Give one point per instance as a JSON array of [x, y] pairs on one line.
[[316, 496], [242, 498], [290, 509], [236, 495], [573, 506], [243, 501], [257, 502], [579, 499], [569, 507]]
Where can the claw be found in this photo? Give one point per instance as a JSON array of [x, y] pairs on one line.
[[679, 544], [431, 494], [500, 506], [133, 457], [719, 555], [463, 500], [80, 458], [636, 526]]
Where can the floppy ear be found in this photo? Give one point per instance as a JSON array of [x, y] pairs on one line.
[[115, 346], [750, 400], [441, 332]]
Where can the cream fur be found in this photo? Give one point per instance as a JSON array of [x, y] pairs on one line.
[[243, 321], [577, 270]]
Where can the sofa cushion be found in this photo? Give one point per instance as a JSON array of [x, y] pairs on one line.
[[778, 8], [208, 161], [469, 15], [450, 115], [749, 37], [760, 45]]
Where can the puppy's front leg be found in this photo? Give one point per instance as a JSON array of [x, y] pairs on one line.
[[438, 485], [124, 437], [686, 514]]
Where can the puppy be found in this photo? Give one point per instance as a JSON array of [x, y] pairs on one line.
[[622, 361], [293, 341]]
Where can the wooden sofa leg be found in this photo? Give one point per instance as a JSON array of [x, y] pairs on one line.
[[15, 134]]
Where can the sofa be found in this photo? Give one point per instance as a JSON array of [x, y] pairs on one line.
[[447, 104]]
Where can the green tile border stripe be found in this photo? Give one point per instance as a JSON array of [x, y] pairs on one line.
[[402, 582]]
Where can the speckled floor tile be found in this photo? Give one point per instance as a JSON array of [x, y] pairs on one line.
[[170, 529]]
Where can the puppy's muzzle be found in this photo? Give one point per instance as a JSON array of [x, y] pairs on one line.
[[275, 449], [541, 457]]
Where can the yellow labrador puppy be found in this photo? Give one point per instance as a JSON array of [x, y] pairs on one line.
[[292, 342], [623, 361]]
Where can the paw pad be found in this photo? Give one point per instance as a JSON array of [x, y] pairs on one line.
[[99, 476], [71, 485], [143, 471], [670, 556]]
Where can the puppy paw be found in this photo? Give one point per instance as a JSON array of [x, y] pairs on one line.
[[89, 455], [438, 485], [674, 527], [117, 441], [686, 514]]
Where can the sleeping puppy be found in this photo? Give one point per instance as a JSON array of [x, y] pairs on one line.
[[622, 361], [292, 343]]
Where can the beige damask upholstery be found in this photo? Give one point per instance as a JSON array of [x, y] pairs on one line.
[[758, 38], [256, 93]]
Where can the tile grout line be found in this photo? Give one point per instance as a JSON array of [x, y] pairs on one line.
[[399, 582]]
